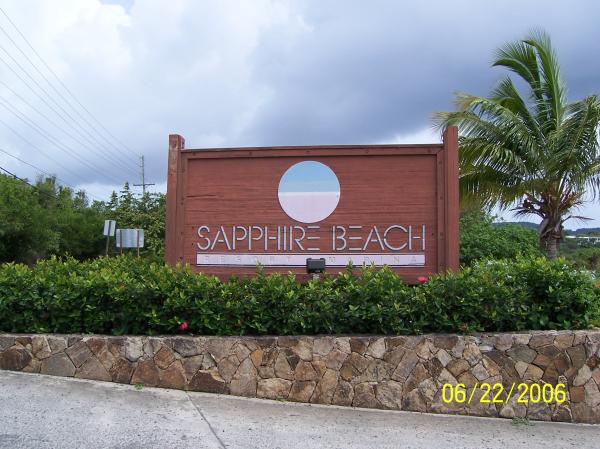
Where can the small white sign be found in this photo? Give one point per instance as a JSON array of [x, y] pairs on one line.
[[130, 238], [299, 260], [109, 228]]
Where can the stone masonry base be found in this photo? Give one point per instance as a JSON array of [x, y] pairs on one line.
[[397, 372]]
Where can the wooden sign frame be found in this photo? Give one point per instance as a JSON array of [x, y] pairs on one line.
[[184, 189]]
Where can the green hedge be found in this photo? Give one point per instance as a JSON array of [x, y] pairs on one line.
[[481, 238], [123, 295]]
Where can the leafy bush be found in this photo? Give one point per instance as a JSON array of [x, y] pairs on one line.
[[480, 238], [508, 295], [147, 212], [586, 257], [46, 219], [123, 295]]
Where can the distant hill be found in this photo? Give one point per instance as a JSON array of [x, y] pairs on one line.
[[530, 225], [584, 231], [525, 224]]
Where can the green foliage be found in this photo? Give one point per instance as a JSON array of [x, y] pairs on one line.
[[50, 219], [505, 295], [586, 257], [481, 239], [45, 220], [127, 295], [531, 149], [77, 225], [147, 212], [521, 421], [23, 230]]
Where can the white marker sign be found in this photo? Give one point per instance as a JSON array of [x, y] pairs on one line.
[[109, 228], [130, 238]]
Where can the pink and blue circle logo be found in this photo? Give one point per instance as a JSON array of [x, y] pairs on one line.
[[309, 191]]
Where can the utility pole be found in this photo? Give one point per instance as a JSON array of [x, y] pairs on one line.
[[144, 183]]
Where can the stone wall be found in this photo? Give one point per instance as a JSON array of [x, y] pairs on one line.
[[404, 373]]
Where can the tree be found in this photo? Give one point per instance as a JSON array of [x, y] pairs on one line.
[[78, 224], [146, 212], [538, 152], [25, 234], [481, 238], [45, 219]]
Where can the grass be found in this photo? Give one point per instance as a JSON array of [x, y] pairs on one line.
[[521, 421]]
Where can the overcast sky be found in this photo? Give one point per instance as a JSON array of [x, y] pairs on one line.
[[255, 72]]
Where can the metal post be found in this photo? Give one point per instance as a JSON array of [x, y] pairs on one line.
[[107, 242], [137, 234], [144, 183], [143, 177]]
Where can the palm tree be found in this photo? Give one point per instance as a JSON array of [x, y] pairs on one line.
[[537, 152]]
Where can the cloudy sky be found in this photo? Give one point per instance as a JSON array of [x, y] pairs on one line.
[[251, 72]]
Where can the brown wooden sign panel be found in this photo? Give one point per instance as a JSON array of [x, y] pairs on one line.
[[231, 209]]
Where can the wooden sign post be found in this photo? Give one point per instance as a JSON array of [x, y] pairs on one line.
[[230, 209]]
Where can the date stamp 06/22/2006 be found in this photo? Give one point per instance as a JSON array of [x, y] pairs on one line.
[[497, 393]]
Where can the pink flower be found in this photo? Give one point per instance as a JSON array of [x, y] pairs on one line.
[[183, 326], [422, 279]]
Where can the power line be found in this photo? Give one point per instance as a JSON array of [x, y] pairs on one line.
[[61, 83], [33, 166], [49, 174], [71, 118], [42, 171], [51, 84], [66, 101], [66, 149], [25, 181], [39, 149], [68, 122], [48, 104], [52, 122], [44, 91], [46, 173]]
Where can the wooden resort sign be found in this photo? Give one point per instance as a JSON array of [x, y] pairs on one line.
[[230, 209]]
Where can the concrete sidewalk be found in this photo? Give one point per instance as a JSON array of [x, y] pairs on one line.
[[50, 412]]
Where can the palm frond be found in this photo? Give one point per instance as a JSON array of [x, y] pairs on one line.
[[533, 150], [553, 88], [521, 59], [507, 95]]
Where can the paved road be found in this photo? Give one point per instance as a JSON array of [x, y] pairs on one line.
[[50, 412]]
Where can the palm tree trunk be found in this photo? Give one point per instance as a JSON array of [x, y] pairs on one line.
[[550, 235], [550, 244], [553, 248]]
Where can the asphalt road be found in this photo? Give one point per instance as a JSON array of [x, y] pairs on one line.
[[50, 412]]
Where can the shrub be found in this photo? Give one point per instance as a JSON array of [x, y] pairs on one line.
[[586, 257], [509, 295], [125, 295], [480, 238]]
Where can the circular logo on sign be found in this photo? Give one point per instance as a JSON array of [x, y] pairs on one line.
[[309, 191]]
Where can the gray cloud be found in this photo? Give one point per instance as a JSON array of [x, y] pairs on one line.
[[372, 70], [261, 72]]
